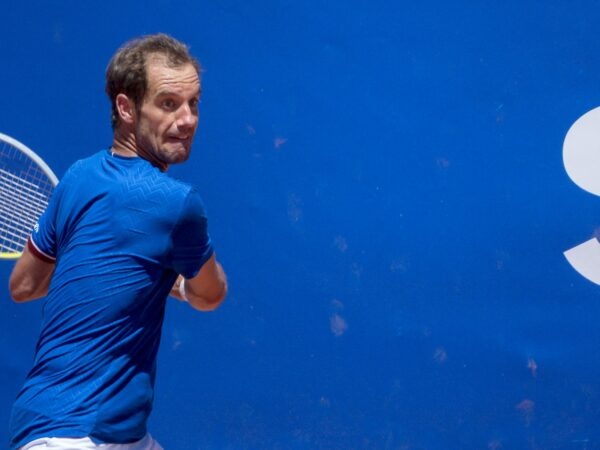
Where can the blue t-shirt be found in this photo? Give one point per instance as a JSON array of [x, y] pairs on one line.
[[119, 231]]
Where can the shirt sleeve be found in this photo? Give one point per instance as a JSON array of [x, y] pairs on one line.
[[192, 246], [42, 241]]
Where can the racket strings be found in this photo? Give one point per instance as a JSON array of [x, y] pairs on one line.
[[21, 192], [24, 193]]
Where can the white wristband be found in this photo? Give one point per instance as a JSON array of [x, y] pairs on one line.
[[182, 291]]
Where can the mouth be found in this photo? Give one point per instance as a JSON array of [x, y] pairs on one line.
[[183, 140]]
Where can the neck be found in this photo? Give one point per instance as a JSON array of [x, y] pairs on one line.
[[124, 144]]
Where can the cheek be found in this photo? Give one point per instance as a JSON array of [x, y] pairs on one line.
[[162, 127], [154, 124], [147, 133]]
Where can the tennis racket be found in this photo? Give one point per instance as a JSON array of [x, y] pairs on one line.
[[26, 184]]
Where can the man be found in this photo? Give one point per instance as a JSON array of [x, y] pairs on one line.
[[117, 238]]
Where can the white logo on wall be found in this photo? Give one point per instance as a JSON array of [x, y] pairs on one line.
[[581, 157]]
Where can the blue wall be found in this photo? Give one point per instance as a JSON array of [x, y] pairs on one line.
[[386, 190]]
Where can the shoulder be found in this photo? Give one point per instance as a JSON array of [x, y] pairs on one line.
[[194, 203], [192, 211], [81, 165], [168, 189]]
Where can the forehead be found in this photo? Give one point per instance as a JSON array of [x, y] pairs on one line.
[[182, 80]]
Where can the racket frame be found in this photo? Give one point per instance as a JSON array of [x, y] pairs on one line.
[[41, 164]]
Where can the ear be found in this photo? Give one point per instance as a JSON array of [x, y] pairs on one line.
[[126, 109]]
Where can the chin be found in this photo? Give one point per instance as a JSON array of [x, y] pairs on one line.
[[176, 156], [180, 160]]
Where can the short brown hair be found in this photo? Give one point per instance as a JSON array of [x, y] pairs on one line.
[[126, 71]]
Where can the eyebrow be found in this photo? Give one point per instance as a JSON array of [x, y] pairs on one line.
[[167, 93]]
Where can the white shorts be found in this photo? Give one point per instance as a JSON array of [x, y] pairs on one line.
[[147, 443]]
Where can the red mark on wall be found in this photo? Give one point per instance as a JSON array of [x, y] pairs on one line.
[[338, 325], [440, 356], [526, 409], [278, 142], [532, 366]]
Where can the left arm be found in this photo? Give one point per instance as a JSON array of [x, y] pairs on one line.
[[207, 290], [30, 278]]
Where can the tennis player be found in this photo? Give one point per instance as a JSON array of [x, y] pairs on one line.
[[117, 237]]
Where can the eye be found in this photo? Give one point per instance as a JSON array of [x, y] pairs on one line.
[[194, 103], [168, 104]]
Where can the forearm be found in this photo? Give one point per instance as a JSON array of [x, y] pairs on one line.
[[30, 278], [206, 296], [207, 290]]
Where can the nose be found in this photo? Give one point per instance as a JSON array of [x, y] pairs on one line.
[[188, 117]]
